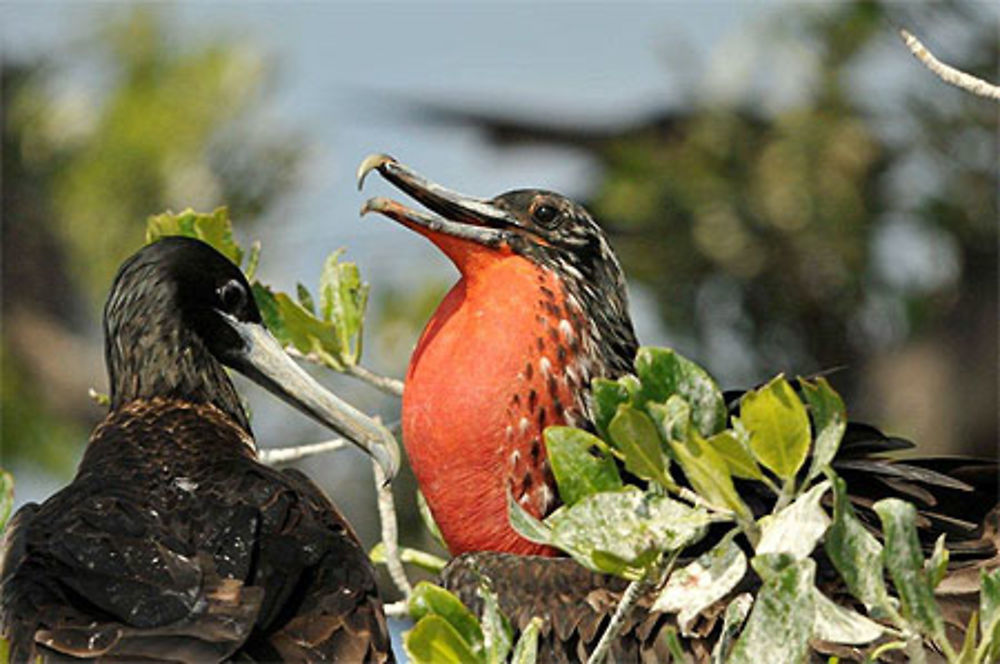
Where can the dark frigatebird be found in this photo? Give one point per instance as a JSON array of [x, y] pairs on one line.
[[539, 311], [172, 543]]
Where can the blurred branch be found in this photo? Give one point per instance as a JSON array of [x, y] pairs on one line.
[[947, 73], [631, 596]]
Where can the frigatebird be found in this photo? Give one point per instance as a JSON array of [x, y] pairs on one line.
[[539, 311], [172, 542]]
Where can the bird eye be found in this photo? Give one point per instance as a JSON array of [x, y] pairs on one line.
[[546, 215], [233, 296]]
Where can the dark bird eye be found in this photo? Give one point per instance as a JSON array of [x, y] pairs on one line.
[[546, 215], [233, 296]]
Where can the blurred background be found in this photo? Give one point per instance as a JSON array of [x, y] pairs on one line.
[[787, 188]]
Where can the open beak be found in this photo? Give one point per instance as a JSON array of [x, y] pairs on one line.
[[263, 360], [463, 217]]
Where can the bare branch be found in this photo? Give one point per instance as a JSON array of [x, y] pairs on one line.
[[631, 596], [390, 533], [400, 609], [386, 384], [947, 73], [278, 455]]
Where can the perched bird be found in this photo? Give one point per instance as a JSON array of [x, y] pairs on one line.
[[539, 311], [172, 543]]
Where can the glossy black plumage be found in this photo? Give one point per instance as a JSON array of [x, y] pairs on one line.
[[173, 543]]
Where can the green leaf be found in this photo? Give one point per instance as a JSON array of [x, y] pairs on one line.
[[837, 624], [526, 525], [781, 621], [429, 523], [829, 420], [732, 620], [213, 228], [736, 454], [526, 650], [497, 632], [778, 425], [937, 565], [624, 531], [343, 298], [635, 436], [989, 615], [664, 373], [6, 497], [707, 472], [429, 600], [797, 528], [305, 298], [693, 588], [580, 462], [434, 641], [905, 563], [607, 396], [856, 554]]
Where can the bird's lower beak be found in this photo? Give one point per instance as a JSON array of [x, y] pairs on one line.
[[461, 216], [264, 361]]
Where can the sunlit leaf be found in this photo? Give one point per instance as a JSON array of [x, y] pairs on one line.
[[433, 640], [707, 472], [778, 425], [526, 525], [343, 298], [497, 632], [635, 436], [838, 624], [937, 565], [526, 650], [429, 600], [905, 562], [736, 454], [626, 527], [855, 553], [580, 462], [989, 614], [797, 528], [213, 228], [781, 621], [695, 587], [732, 620], [305, 298], [829, 420], [664, 373]]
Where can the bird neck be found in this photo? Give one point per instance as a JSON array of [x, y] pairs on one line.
[[149, 359], [506, 354]]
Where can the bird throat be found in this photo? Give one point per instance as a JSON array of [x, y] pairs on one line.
[[504, 356]]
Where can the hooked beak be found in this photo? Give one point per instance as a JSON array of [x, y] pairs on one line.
[[462, 217], [263, 360]]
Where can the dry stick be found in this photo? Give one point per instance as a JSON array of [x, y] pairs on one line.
[[631, 596], [390, 533], [947, 73]]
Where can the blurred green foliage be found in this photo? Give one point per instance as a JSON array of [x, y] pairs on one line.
[[169, 125]]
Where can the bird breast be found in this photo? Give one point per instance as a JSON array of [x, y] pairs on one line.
[[502, 358]]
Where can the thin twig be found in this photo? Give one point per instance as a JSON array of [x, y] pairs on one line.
[[274, 456], [388, 385], [390, 533], [392, 386], [947, 73], [631, 596]]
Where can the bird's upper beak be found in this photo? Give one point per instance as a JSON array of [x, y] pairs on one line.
[[463, 218], [263, 360]]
